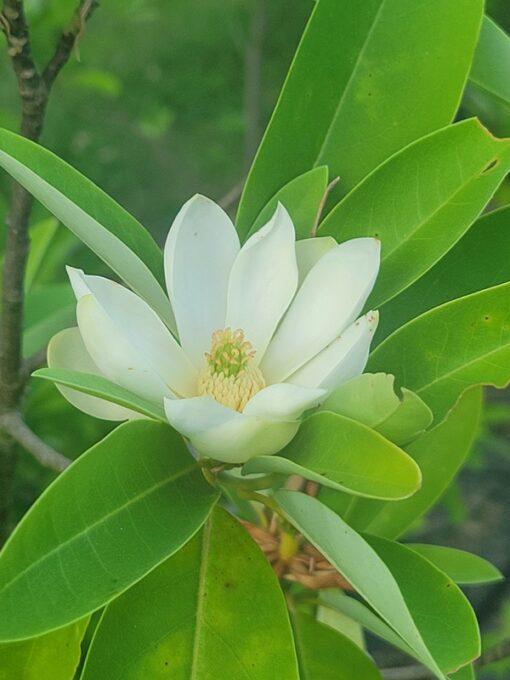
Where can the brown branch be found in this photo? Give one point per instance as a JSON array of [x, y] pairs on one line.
[[13, 424], [34, 89]]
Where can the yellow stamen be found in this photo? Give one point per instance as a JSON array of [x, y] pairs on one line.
[[230, 375]]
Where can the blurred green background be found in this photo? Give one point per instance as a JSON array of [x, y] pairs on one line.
[[165, 99]]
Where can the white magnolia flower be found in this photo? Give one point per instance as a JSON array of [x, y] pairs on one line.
[[265, 331]]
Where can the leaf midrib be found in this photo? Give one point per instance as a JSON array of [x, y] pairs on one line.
[[202, 575], [97, 523]]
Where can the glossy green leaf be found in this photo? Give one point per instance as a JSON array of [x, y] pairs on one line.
[[359, 89], [302, 197], [326, 654], [41, 237], [481, 259], [441, 353], [491, 63], [48, 309], [106, 228], [465, 673], [98, 386], [359, 563], [122, 508], [371, 399], [357, 611], [461, 566], [421, 201], [440, 453], [213, 610], [55, 655], [440, 609], [336, 619], [346, 455]]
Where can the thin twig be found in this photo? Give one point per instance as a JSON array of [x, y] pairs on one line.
[[320, 209], [32, 363], [69, 41], [230, 198], [13, 424]]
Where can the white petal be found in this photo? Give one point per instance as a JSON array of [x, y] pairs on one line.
[[66, 350], [199, 252], [263, 281], [128, 341], [345, 358], [227, 435], [309, 251], [331, 297], [283, 401], [196, 414]]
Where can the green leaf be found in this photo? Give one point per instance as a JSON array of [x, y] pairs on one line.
[[122, 508], [213, 610], [441, 353], [345, 455], [481, 259], [461, 566], [55, 655], [302, 197], [106, 228], [48, 309], [41, 237], [371, 399], [97, 386], [438, 606], [440, 453], [326, 654], [359, 90], [421, 201], [353, 557], [341, 622], [466, 673], [491, 63], [364, 616]]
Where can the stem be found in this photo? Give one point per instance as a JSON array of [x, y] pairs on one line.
[[265, 482], [320, 209], [269, 503]]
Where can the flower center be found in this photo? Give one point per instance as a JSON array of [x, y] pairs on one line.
[[230, 376]]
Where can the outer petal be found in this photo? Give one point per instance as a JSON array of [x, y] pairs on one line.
[[66, 350], [199, 252], [331, 297], [190, 416], [283, 401], [263, 281], [309, 251], [227, 436], [344, 359], [128, 341]]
